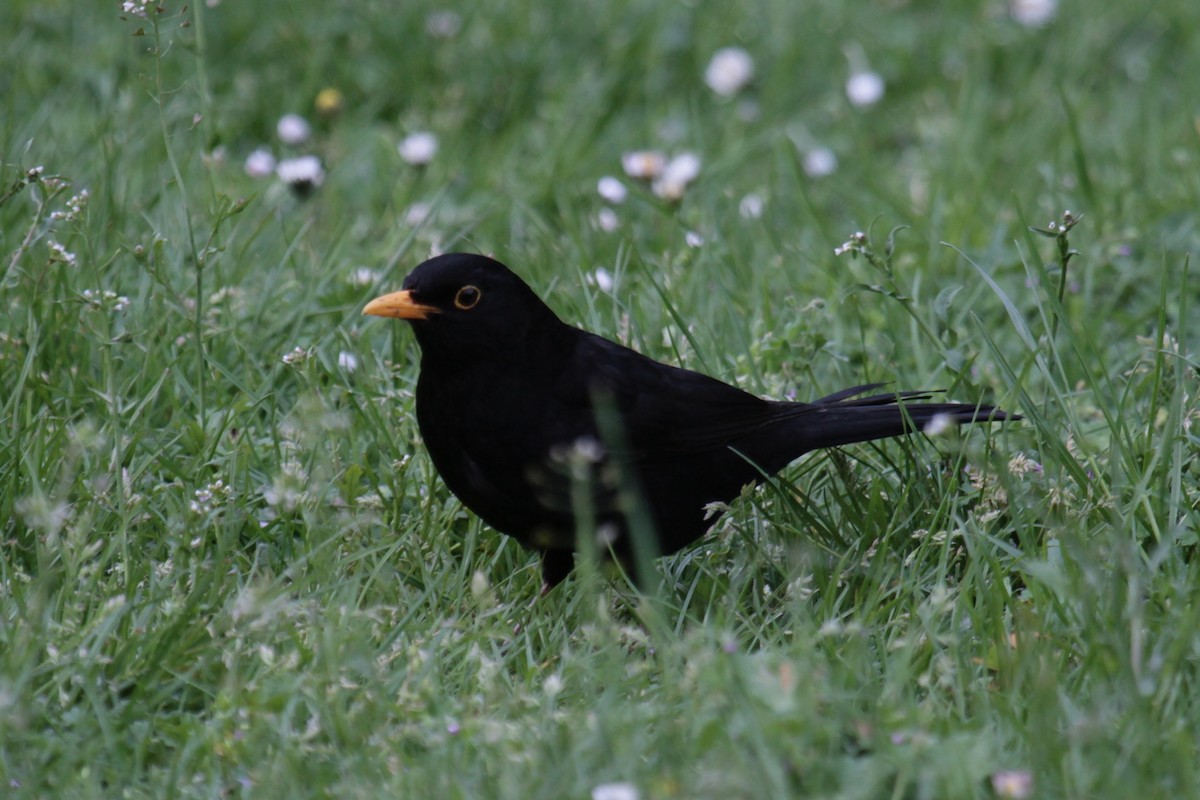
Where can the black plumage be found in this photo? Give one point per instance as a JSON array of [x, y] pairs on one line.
[[512, 402]]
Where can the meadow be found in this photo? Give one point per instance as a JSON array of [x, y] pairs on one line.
[[228, 568]]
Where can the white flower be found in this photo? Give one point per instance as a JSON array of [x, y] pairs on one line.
[[210, 497], [939, 424], [693, 239], [135, 7], [602, 279], [644, 165], [297, 356], [854, 244], [417, 213], [364, 276], [347, 361], [260, 163], [819, 162], [75, 207], [1012, 784], [418, 148], [443, 24], [215, 157], [615, 791], [612, 190], [730, 69], [301, 173], [293, 129], [684, 167], [61, 253], [676, 175], [865, 88], [1033, 13], [751, 206], [106, 300], [607, 220]]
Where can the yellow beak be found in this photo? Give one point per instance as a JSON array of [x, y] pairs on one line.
[[399, 305]]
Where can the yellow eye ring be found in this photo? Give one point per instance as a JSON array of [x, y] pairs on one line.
[[467, 298]]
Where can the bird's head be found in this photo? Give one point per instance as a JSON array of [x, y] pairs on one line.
[[461, 304]]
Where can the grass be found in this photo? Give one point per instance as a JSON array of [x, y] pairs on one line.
[[227, 575]]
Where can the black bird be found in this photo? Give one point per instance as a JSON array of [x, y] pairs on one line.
[[511, 400]]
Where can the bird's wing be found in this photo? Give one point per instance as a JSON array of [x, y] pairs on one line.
[[664, 411]]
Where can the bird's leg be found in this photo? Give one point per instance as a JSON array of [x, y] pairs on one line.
[[556, 566]]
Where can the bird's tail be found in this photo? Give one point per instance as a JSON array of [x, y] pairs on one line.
[[846, 417]]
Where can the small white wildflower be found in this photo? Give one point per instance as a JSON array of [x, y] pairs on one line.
[[693, 239], [216, 157], [347, 361], [75, 207], [552, 686], [443, 24], [751, 206], [602, 279], [418, 148], [612, 190], [684, 167], [33, 174], [939, 424], [644, 165], [730, 69], [260, 163], [301, 174], [60, 253], [607, 220], [588, 449], [1033, 13], [615, 791], [1013, 784], [296, 357], [293, 129], [856, 242], [209, 497], [106, 300], [676, 175], [865, 88], [819, 162], [364, 276], [136, 8], [417, 213]]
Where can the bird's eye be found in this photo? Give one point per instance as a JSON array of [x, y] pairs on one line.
[[467, 298]]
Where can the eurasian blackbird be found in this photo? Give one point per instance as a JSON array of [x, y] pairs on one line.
[[518, 410]]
